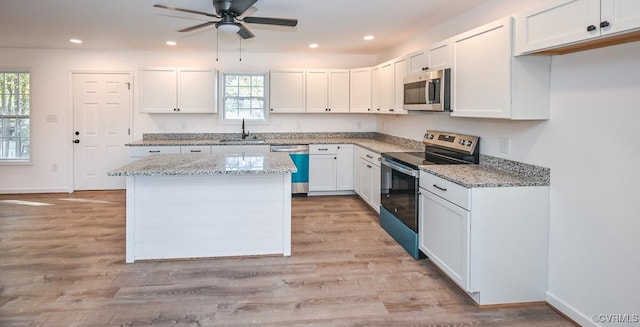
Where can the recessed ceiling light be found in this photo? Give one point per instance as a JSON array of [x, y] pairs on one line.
[[369, 37], [313, 45], [75, 41], [171, 43]]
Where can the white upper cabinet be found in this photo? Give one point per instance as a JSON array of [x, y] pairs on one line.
[[338, 85], [489, 82], [360, 90], [375, 88], [439, 55], [564, 22], [287, 90], [385, 83], [400, 72], [327, 90], [417, 62], [179, 90]]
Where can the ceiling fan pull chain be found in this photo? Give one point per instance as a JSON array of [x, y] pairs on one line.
[[240, 49], [217, 33]]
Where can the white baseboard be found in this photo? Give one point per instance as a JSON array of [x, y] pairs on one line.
[[321, 193], [569, 311], [35, 190]]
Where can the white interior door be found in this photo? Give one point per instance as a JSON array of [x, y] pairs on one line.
[[101, 122]]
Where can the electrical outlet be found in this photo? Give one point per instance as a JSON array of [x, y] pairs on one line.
[[505, 145], [54, 167]]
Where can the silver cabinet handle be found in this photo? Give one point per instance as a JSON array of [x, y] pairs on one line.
[[439, 187], [154, 151], [323, 149], [196, 151], [370, 157]]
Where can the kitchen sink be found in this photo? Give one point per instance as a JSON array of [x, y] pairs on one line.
[[242, 141]]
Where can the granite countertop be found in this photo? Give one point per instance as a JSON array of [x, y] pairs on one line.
[[261, 163], [370, 144], [471, 176]]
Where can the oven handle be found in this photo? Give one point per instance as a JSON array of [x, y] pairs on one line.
[[398, 167]]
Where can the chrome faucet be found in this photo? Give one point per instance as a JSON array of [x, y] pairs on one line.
[[244, 134]]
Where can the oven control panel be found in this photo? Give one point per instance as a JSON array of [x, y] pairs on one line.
[[460, 142]]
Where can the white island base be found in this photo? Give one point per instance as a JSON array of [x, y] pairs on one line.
[[208, 216]]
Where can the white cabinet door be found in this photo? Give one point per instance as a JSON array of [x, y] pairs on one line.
[[338, 90], [375, 187], [317, 90], [376, 88], [417, 62], [158, 90], [489, 82], [622, 15], [444, 230], [365, 178], [179, 90], [344, 168], [197, 90], [557, 23], [440, 55], [322, 172], [399, 73], [386, 89], [287, 90], [360, 90], [357, 177]]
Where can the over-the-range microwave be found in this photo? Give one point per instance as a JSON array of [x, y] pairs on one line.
[[428, 91]]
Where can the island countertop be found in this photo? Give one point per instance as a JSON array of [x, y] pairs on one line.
[[262, 163]]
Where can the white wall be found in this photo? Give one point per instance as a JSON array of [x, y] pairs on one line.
[[50, 85], [590, 144]]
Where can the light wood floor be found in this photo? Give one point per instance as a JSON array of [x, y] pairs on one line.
[[63, 265]]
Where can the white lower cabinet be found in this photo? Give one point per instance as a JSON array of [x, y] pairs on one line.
[[366, 181], [491, 241], [330, 167], [195, 149], [137, 152]]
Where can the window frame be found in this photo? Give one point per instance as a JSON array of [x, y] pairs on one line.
[[17, 116], [221, 103]]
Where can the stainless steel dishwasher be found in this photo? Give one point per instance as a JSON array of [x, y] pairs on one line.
[[299, 153]]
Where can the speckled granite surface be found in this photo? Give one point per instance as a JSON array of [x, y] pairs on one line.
[[272, 136], [375, 144], [208, 164], [492, 172]]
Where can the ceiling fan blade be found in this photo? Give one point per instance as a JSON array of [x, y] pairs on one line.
[[186, 10], [193, 28], [245, 33], [271, 21], [238, 7]]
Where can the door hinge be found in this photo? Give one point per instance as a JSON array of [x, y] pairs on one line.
[[128, 131], [128, 85]]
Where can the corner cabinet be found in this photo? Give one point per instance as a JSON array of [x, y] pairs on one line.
[[488, 81], [491, 241], [178, 90], [327, 90], [561, 23], [287, 91], [366, 179]]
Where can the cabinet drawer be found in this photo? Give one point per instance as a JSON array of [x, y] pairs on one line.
[[195, 149], [452, 192], [323, 148], [143, 151], [370, 156]]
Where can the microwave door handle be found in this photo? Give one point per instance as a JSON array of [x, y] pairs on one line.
[[432, 92]]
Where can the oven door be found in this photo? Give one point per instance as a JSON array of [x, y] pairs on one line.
[[399, 192]]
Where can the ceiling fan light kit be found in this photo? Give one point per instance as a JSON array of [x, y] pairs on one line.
[[228, 13]]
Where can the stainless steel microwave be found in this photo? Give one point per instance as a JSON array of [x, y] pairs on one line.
[[428, 91]]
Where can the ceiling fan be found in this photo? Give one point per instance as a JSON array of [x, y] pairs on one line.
[[229, 14]]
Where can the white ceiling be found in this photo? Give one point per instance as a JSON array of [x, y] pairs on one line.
[[338, 26]]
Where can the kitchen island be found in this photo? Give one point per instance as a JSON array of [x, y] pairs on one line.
[[208, 205]]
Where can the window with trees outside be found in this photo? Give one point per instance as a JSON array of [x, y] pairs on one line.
[[14, 116], [244, 96]]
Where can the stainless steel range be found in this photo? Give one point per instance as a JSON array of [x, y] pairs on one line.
[[400, 181]]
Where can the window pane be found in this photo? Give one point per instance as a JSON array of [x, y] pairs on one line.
[[4, 107], [11, 83], [24, 83], [12, 104], [244, 91], [231, 103], [23, 104], [257, 92], [231, 91], [257, 81], [245, 80], [1, 84], [23, 127], [8, 127], [23, 150], [244, 103], [231, 80]]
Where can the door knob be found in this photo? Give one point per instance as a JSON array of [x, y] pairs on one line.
[[77, 133], [76, 141]]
